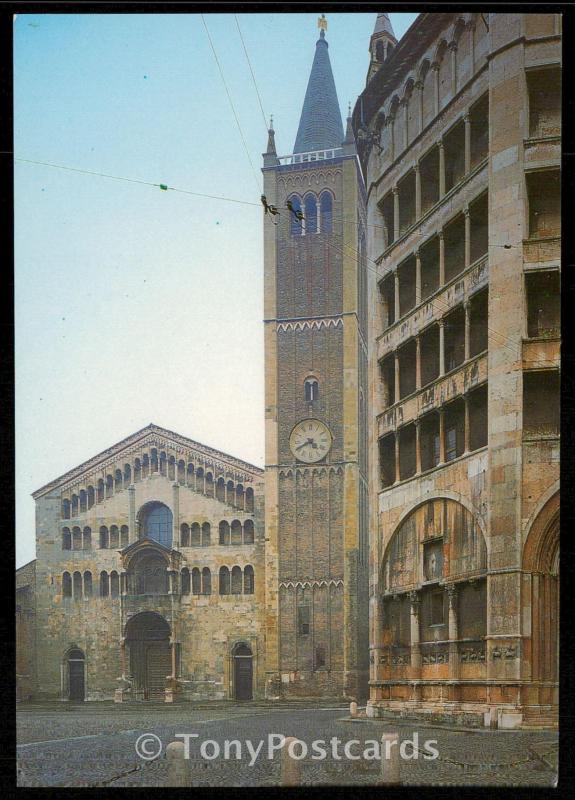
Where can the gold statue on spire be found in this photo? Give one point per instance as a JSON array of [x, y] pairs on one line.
[[322, 23]]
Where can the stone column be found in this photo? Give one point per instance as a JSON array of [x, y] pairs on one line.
[[453, 49], [417, 277], [397, 385], [395, 213], [453, 633], [417, 446], [467, 236], [441, 347], [176, 516], [467, 345], [467, 123], [417, 190], [405, 123], [397, 470], [441, 168], [435, 69], [132, 532], [441, 258], [414, 631], [396, 294], [467, 431], [419, 88], [441, 436], [418, 362]]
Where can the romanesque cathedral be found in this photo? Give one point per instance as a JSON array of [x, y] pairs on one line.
[[401, 546]]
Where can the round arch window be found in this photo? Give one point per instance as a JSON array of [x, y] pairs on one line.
[[156, 523]]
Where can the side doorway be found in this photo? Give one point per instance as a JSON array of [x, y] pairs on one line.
[[76, 669], [243, 672]]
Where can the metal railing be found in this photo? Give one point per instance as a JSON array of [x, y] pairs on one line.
[[314, 155]]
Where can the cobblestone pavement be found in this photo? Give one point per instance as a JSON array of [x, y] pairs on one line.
[[94, 745]]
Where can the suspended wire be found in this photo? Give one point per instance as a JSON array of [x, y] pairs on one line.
[[440, 305], [231, 103], [162, 186], [252, 72]]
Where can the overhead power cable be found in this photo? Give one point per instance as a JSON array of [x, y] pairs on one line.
[[252, 72], [231, 103]]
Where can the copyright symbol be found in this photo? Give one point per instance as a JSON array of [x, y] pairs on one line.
[[148, 746]]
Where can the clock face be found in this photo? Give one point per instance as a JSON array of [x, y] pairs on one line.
[[310, 440]]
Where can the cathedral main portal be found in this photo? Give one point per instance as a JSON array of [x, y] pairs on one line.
[[148, 641]]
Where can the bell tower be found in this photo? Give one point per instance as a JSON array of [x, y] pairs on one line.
[[316, 393]]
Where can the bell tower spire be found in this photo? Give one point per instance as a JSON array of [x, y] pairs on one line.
[[320, 126], [381, 44]]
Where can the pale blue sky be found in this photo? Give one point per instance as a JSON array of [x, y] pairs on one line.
[[135, 305]]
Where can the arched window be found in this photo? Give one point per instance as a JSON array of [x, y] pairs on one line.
[[157, 523], [249, 499], [379, 52], [76, 539], [87, 584], [109, 486], [206, 534], [296, 227], [190, 475], [137, 470], [65, 509], [103, 537], [145, 465], [83, 500], [91, 496], [326, 212], [66, 585], [154, 461], [230, 493], [74, 505], [236, 580], [185, 577], [87, 539], [104, 584], [236, 529], [206, 581], [249, 580], [209, 484], [114, 584], [221, 490], [181, 472], [196, 535], [172, 468], [114, 537], [196, 581], [310, 214], [127, 474], [77, 585], [100, 490], [118, 480], [66, 539], [311, 389], [224, 580], [124, 536], [163, 464], [224, 532], [248, 531], [185, 535]]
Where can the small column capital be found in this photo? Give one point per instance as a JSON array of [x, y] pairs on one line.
[[415, 166], [415, 600], [452, 45], [439, 143], [395, 189], [441, 322], [466, 211], [467, 117], [435, 66], [440, 234], [452, 594]]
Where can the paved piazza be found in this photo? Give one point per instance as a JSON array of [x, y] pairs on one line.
[[94, 745]]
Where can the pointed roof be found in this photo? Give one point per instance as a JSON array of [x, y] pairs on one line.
[[320, 125], [383, 25], [153, 436]]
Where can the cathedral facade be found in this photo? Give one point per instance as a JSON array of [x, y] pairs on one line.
[[149, 576]]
